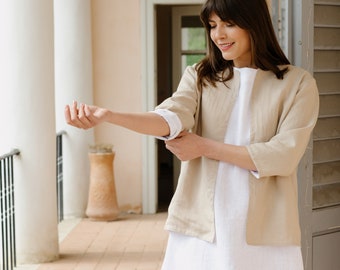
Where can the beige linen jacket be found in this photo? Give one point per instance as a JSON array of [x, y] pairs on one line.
[[283, 114]]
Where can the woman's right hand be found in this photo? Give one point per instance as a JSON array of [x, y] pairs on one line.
[[85, 117]]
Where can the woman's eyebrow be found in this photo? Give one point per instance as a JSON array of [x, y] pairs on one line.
[[211, 21]]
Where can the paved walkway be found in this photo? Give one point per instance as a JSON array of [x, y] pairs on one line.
[[130, 243]]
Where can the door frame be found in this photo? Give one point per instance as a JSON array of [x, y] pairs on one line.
[[177, 14], [149, 95], [302, 55]]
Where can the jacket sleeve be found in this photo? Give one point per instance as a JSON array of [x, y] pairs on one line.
[[185, 100], [280, 155]]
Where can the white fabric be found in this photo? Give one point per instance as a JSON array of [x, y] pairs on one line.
[[173, 121], [230, 251]]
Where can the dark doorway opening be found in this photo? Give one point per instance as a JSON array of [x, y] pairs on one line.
[[164, 90]]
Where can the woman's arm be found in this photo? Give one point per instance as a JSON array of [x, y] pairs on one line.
[[87, 116], [189, 146]]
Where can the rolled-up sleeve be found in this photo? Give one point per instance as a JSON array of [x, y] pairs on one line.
[[184, 100], [173, 121], [281, 154]]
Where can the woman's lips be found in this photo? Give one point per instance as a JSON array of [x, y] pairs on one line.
[[226, 46]]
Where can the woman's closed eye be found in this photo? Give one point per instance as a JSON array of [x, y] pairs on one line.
[[228, 24]]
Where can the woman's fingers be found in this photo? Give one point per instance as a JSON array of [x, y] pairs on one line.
[[186, 146], [74, 111], [67, 113], [71, 116], [83, 117], [78, 117]]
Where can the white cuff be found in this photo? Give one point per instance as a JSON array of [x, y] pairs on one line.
[[256, 174], [173, 121]]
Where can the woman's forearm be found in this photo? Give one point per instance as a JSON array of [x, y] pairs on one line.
[[189, 146], [233, 154], [88, 116], [145, 123]]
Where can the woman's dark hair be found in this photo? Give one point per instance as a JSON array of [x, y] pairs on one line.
[[252, 16]]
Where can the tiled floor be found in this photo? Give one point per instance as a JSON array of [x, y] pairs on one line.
[[132, 242]]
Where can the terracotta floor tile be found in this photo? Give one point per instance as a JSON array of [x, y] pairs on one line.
[[133, 242]]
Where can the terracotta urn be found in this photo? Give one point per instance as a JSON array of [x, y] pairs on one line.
[[102, 200]]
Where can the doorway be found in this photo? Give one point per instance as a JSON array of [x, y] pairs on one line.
[[180, 42]]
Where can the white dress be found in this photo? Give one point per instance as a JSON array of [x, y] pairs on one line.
[[229, 251]]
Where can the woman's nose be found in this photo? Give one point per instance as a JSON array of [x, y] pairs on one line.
[[220, 32]]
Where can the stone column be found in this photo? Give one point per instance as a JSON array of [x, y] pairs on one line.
[[73, 78], [27, 117]]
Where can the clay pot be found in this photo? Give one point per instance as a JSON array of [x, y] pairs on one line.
[[102, 201]]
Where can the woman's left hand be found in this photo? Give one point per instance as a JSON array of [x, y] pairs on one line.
[[186, 146]]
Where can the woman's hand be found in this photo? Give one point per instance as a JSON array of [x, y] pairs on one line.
[[85, 116], [186, 146], [189, 146]]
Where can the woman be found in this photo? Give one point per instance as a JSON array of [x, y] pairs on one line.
[[240, 121]]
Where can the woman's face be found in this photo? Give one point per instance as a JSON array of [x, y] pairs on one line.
[[233, 41]]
